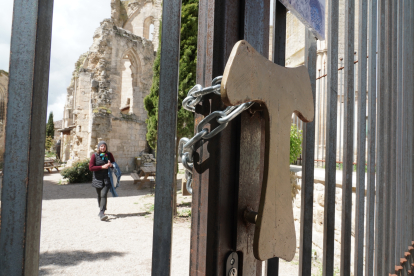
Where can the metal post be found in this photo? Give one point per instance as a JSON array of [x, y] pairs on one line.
[[380, 141], [331, 129], [166, 145], [25, 137], [306, 206], [362, 111], [393, 138], [387, 142], [372, 97], [348, 139]]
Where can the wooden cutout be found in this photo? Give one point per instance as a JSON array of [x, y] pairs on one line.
[[249, 76]]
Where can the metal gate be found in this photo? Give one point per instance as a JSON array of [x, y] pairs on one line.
[[221, 187]]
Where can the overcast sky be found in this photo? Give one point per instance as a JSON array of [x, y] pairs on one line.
[[74, 22]]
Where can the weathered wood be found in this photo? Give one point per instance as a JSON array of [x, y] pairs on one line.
[[249, 76]]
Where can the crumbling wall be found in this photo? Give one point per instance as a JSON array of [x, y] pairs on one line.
[[4, 81], [107, 95]]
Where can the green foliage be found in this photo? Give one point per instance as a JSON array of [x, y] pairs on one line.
[[49, 143], [78, 173], [295, 143], [50, 127], [2, 72], [187, 79]]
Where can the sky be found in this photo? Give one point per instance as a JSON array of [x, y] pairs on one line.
[[74, 22]]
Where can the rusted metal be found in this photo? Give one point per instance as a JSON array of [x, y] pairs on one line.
[[252, 142], [25, 137]]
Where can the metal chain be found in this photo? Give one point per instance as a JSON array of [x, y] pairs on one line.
[[186, 145]]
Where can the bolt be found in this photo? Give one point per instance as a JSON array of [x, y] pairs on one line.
[[233, 272], [232, 261]]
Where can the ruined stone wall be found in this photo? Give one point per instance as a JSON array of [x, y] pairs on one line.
[[137, 16], [107, 95], [4, 81]]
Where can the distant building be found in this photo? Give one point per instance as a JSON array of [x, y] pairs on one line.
[[105, 100]]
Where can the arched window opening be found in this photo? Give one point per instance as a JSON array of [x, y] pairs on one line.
[[149, 28], [129, 81]]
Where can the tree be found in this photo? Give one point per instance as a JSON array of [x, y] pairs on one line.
[[187, 79], [50, 126]]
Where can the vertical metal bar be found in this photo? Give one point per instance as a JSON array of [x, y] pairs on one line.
[[399, 138], [341, 96], [306, 206], [331, 129], [372, 97], [361, 142], [393, 137], [279, 57], [323, 114], [166, 145], [25, 137], [216, 162], [256, 32], [348, 139], [386, 145], [408, 68], [317, 116], [380, 141]]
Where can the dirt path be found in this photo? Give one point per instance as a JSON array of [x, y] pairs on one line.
[[75, 242]]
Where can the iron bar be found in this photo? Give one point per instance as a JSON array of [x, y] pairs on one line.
[[317, 116], [393, 137], [166, 145], [379, 240], [331, 129], [25, 137], [386, 143], [340, 99], [361, 142], [348, 139], [372, 96], [399, 249], [306, 206]]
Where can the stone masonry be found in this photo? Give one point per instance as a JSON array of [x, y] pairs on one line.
[[4, 81], [105, 100]]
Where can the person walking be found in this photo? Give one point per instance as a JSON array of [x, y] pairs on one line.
[[99, 164]]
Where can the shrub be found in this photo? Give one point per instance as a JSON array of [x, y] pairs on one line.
[[295, 143], [48, 143], [78, 173]]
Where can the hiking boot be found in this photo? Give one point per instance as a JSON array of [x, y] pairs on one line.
[[102, 216]]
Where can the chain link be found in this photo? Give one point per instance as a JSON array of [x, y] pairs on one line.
[[186, 145]]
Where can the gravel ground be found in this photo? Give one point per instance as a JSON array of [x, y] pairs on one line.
[[75, 242]]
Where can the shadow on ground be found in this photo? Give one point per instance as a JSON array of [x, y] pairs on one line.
[[53, 190], [72, 258], [118, 216]]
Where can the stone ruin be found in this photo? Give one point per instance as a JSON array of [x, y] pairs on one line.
[[105, 99], [4, 81]]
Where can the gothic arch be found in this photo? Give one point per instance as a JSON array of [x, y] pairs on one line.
[[147, 27], [130, 80]]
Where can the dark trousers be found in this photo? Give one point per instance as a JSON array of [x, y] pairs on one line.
[[102, 197]]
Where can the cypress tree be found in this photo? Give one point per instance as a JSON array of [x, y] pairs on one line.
[[50, 126], [187, 79]]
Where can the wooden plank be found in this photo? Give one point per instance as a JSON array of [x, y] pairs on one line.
[[249, 76]]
